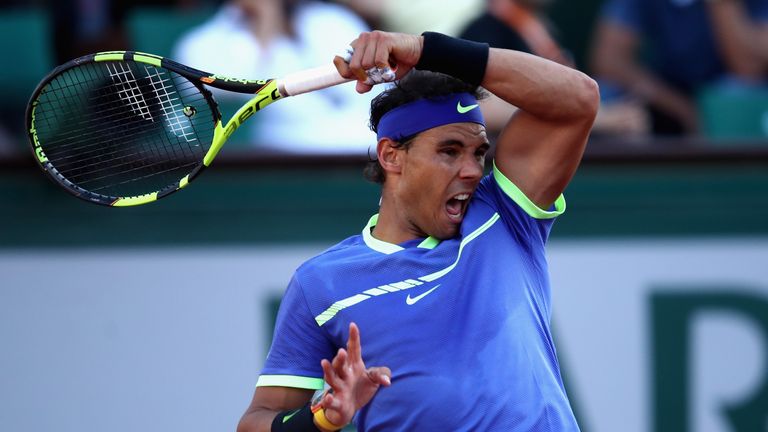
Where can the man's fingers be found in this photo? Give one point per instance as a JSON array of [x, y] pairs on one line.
[[340, 364], [362, 87], [334, 410], [355, 63], [329, 375], [330, 402], [383, 55], [343, 67], [368, 60], [378, 57], [380, 375], [353, 344], [346, 71]]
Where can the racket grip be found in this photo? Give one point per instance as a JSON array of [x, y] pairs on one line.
[[310, 80]]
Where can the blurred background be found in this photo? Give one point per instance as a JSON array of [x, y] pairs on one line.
[[159, 317]]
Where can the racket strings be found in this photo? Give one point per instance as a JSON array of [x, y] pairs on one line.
[[122, 128], [135, 103], [93, 147], [129, 90], [170, 114], [110, 115], [91, 153], [107, 115]]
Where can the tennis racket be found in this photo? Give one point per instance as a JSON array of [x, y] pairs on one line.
[[124, 128]]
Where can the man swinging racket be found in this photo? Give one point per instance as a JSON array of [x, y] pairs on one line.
[[446, 290]]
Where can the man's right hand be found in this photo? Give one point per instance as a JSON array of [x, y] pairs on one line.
[[378, 49]]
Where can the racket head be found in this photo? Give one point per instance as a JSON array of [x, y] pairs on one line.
[[122, 128]]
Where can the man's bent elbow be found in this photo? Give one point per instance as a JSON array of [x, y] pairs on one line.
[[587, 97]]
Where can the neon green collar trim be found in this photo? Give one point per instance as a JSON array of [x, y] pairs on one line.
[[390, 248]]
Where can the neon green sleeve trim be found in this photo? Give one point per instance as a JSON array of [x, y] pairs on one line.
[[526, 204], [290, 381]]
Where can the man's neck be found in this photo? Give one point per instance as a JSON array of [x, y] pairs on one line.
[[391, 227]]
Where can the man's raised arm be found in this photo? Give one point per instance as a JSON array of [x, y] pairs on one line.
[[541, 146]]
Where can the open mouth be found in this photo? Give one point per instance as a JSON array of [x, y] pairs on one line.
[[456, 206]]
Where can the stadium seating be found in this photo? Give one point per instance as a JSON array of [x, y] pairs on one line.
[[734, 113], [156, 29], [27, 57]]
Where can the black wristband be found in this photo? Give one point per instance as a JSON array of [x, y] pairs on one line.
[[295, 421], [459, 58]]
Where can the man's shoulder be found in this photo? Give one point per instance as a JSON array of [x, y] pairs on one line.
[[330, 257], [333, 273], [485, 189]]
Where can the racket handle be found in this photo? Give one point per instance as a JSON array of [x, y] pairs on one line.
[[310, 80]]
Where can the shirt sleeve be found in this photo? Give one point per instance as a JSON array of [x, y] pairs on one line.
[[298, 345], [528, 223]]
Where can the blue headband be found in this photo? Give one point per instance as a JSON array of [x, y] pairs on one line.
[[420, 115]]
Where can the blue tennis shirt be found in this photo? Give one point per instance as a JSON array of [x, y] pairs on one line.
[[462, 323]]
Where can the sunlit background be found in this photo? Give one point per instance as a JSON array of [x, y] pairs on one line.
[[158, 318]]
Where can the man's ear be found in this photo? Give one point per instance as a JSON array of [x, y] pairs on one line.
[[390, 156]]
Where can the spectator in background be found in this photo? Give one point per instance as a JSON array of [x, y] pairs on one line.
[[83, 27], [416, 16], [692, 43], [269, 39], [522, 25], [519, 25]]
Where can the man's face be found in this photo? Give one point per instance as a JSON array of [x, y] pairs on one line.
[[440, 171]]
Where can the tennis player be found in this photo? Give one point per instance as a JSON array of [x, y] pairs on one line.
[[436, 317]]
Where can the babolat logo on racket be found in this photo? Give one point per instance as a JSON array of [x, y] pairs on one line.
[[213, 78], [33, 133], [269, 95]]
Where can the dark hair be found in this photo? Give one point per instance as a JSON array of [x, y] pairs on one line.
[[414, 86]]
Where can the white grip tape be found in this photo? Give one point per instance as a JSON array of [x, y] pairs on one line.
[[310, 80]]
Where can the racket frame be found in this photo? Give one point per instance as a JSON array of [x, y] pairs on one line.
[[265, 92]]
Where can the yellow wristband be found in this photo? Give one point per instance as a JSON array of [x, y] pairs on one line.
[[323, 421]]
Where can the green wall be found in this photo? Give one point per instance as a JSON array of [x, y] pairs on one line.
[[253, 204]]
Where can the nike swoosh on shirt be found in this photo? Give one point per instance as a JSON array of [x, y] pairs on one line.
[[464, 109], [412, 300]]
